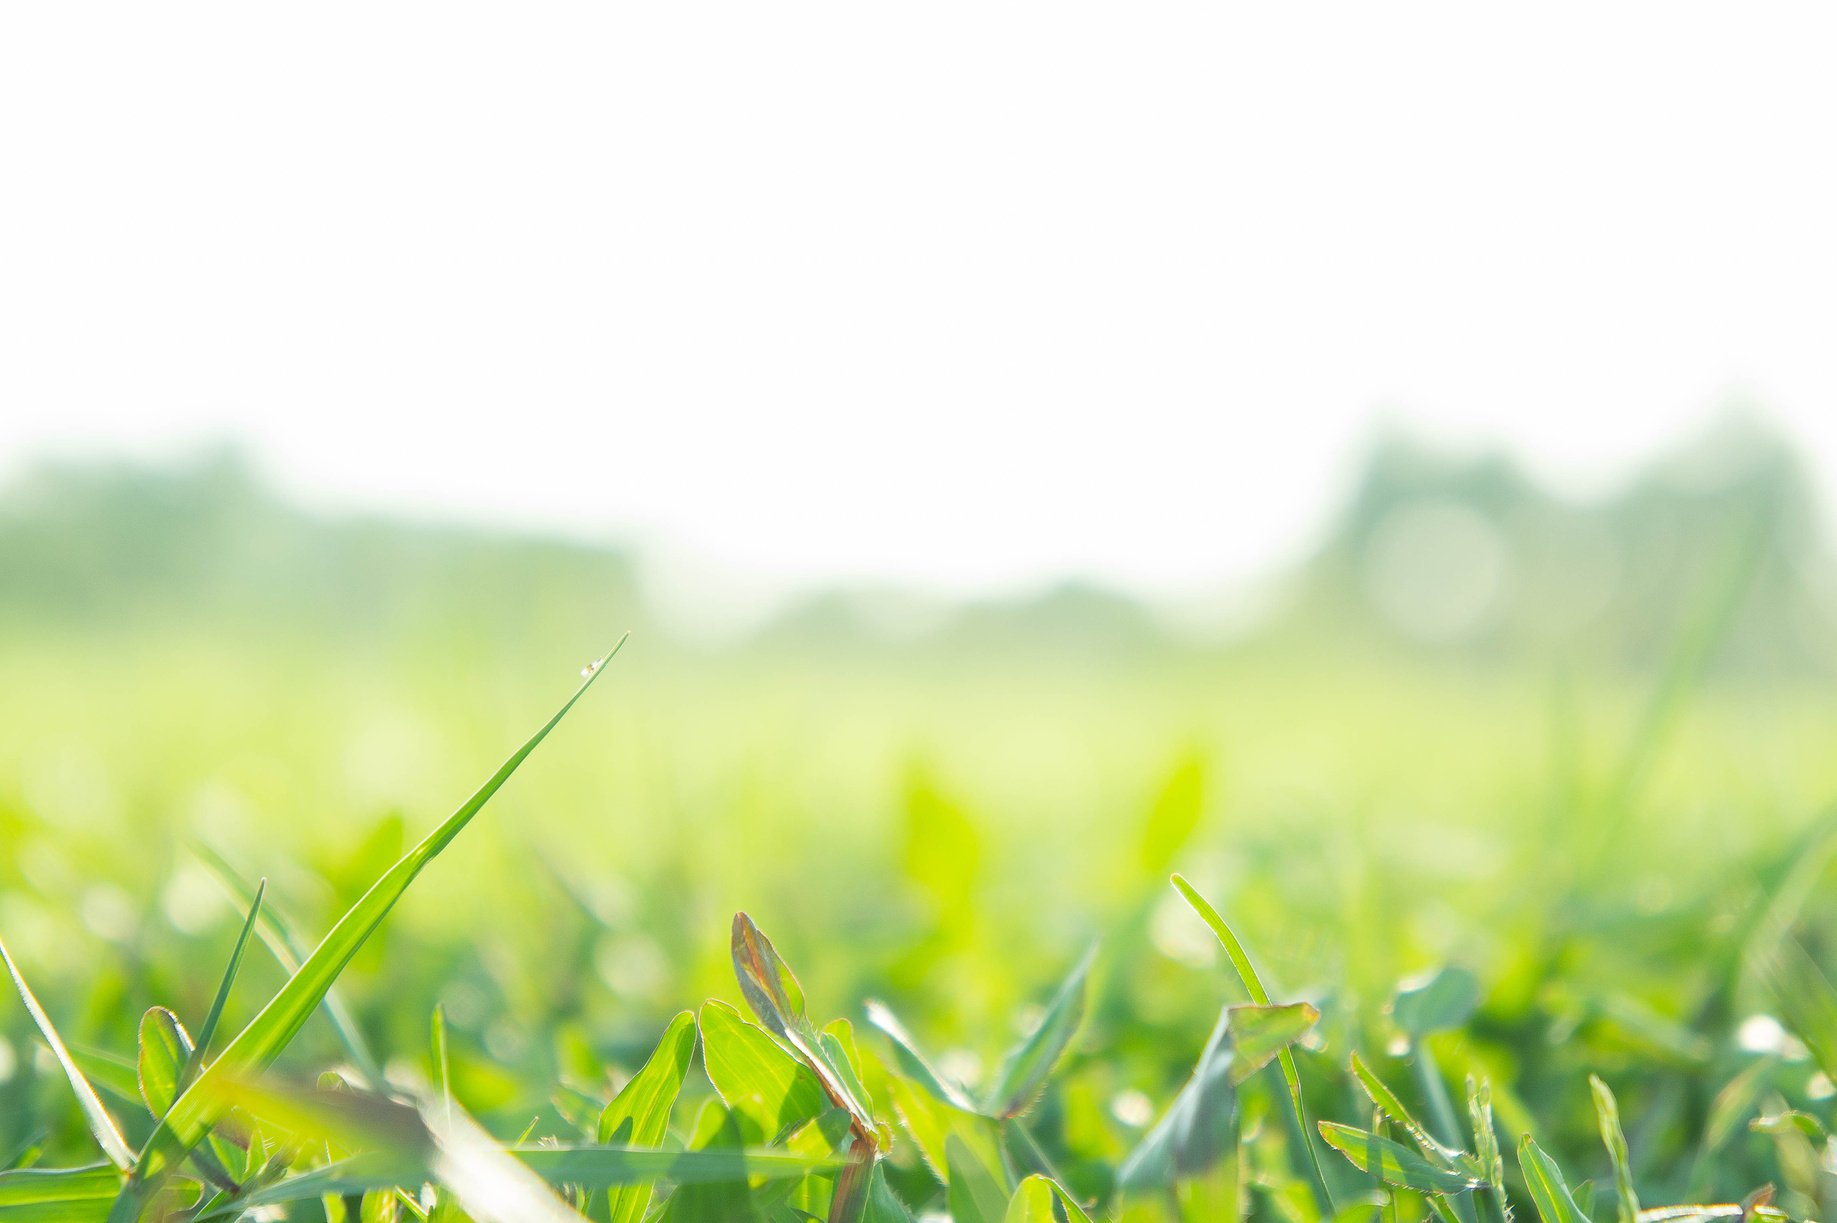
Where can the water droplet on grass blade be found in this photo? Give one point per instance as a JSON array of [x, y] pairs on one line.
[[587, 671]]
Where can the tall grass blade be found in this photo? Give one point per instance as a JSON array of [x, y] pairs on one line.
[[201, 1104], [1253, 985], [1607, 1111], [107, 1135]]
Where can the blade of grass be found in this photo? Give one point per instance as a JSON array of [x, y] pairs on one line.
[[1607, 1110], [107, 1135], [198, 1108], [1253, 985], [215, 1015], [279, 939]]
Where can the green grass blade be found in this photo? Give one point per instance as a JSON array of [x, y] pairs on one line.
[[443, 1072], [47, 1186], [1291, 1074], [208, 1031], [287, 951], [1549, 1191], [1607, 1111], [1392, 1162], [100, 1123], [1387, 1103], [199, 1107]]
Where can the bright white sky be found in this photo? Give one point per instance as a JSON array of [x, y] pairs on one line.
[[971, 294]]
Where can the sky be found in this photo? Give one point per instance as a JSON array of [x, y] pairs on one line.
[[967, 295]]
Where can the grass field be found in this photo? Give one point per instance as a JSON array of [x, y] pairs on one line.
[[1479, 903]]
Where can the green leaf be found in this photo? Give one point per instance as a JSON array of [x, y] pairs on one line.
[[1025, 1070], [771, 990], [640, 1114], [1607, 1111], [1032, 1202], [200, 1105], [973, 1193], [1198, 1130], [165, 1047], [753, 1074], [101, 1125], [1259, 1033], [1444, 1001], [1380, 1094], [1393, 1163], [1549, 1191], [95, 1183]]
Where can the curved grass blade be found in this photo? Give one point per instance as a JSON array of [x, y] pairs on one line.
[[201, 1104], [100, 1123], [1253, 985], [1387, 1103], [1392, 1162]]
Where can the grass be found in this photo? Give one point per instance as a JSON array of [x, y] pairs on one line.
[[1446, 972]]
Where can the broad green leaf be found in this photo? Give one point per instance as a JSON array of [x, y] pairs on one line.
[[200, 1105], [753, 1074], [1443, 1001], [1032, 1202], [1607, 1111], [932, 1124], [165, 1047], [101, 1125], [974, 1195], [1198, 1130], [1393, 1163], [916, 1065], [640, 1114], [1549, 1191], [772, 991], [1025, 1070]]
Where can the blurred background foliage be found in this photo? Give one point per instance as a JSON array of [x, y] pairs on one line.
[[1568, 742]]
